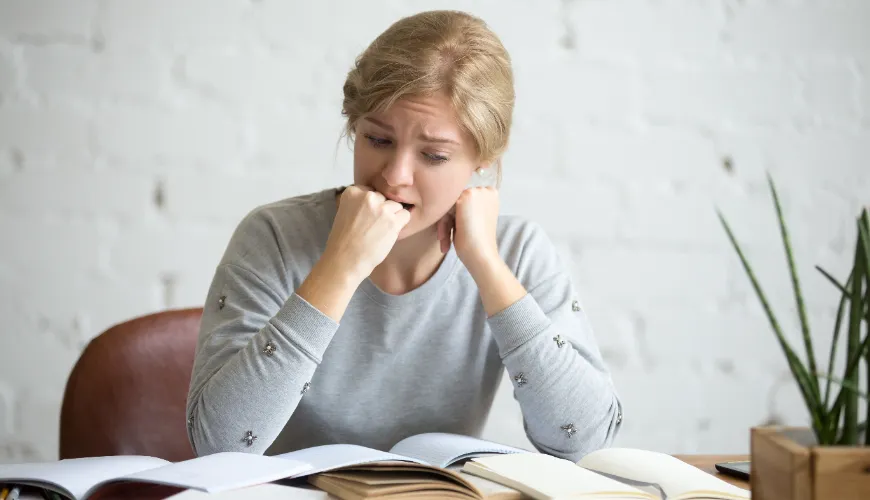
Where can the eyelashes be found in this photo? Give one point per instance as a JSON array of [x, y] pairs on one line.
[[379, 142]]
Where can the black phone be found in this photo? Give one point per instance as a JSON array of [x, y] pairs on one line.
[[738, 469]]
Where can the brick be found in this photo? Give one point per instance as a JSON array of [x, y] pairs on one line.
[[8, 74], [831, 92], [300, 25], [7, 405], [167, 23], [269, 79], [38, 414], [660, 417], [535, 147], [723, 95], [63, 251], [48, 18], [638, 275], [278, 140], [579, 90], [655, 158], [563, 210], [193, 134], [84, 193], [226, 198], [15, 451], [54, 133], [645, 29], [145, 252], [72, 72], [863, 77], [783, 27], [616, 332]]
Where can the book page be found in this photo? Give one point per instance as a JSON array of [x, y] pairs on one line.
[[543, 477], [259, 492], [444, 449], [220, 472], [333, 456], [675, 477], [75, 476]]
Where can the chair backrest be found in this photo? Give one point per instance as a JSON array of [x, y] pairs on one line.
[[126, 394]]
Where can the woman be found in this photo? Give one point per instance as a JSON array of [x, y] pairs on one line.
[[390, 308]]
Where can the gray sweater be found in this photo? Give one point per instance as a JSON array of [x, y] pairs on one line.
[[273, 374]]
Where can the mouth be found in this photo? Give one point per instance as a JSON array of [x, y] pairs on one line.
[[407, 206]]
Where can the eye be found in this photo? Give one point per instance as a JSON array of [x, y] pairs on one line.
[[377, 142], [435, 159]]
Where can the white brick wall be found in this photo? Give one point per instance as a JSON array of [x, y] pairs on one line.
[[134, 135]]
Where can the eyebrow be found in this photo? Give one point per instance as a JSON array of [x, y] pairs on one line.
[[422, 136]]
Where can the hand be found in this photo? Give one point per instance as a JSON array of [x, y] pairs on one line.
[[366, 227], [473, 226]]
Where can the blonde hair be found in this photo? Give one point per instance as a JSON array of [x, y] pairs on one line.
[[434, 51]]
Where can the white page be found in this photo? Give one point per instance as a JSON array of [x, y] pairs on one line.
[[259, 492], [77, 475], [675, 477], [443, 449], [221, 471], [333, 456], [543, 476]]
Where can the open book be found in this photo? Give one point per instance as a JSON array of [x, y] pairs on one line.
[[79, 478], [419, 465], [611, 473]]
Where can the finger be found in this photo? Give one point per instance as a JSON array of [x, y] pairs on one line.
[[449, 226], [392, 207], [403, 217]]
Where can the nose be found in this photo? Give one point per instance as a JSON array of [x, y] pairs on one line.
[[399, 170]]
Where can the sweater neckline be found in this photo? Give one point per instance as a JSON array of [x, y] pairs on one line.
[[424, 291]]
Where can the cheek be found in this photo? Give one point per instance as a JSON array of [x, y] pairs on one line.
[[440, 192], [365, 163]]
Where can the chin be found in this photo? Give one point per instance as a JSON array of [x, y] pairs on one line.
[[412, 229]]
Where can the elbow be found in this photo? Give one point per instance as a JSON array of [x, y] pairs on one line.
[[209, 433], [597, 433]]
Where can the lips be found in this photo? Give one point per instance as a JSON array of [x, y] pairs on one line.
[[405, 204]]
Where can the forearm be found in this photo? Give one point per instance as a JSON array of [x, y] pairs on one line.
[[567, 399], [498, 286], [247, 380], [330, 286]]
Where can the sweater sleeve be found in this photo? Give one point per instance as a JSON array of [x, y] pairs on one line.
[[569, 404], [256, 352]]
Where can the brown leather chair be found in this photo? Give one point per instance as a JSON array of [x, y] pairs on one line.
[[126, 395]]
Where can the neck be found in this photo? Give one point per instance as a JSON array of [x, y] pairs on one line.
[[410, 263]]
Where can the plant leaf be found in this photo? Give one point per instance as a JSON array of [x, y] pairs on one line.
[[856, 311], [847, 385], [864, 235], [851, 366], [836, 337], [795, 281], [843, 290], [833, 280], [811, 398]]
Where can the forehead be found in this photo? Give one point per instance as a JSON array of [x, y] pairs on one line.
[[421, 111]]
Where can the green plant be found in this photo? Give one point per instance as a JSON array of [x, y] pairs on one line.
[[833, 422]]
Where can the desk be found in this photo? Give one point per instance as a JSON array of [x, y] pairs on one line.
[[707, 463], [148, 492]]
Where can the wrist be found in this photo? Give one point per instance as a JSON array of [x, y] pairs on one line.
[[329, 287], [340, 269], [485, 264]]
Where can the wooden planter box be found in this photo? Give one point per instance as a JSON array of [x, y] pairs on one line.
[[787, 465]]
